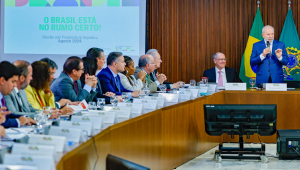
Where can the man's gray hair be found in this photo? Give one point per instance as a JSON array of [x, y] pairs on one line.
[[144, 60], [152, 52], [267, 26], [215, 55]]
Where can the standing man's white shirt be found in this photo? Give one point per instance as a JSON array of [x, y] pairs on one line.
[[223, 75]]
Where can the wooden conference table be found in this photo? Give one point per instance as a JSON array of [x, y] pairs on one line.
[[168, 137]]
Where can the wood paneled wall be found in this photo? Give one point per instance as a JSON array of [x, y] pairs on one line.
[[188, 32]]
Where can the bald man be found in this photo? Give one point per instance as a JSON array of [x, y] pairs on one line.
[[269, 56], [147, 64], [220, 74]]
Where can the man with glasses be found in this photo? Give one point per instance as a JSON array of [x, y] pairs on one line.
[[68, 85], [148, 65], [220, 73]]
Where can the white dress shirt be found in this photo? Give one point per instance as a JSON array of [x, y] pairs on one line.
[[271, 48], [223, 75]]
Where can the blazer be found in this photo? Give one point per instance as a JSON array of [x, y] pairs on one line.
[[24, 108], [64, 88], [108, 82], [99, 92], [231, 75], [270, 65], [152, 84], [11, 121], [168, 84], [137, 84], [33, 98]]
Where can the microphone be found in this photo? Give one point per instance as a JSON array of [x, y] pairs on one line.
[[268, 45]]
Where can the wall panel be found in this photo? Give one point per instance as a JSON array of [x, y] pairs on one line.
[[188, 32]]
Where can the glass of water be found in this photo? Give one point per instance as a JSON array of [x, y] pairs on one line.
[[92, 106], [125, 96], [141, 94], [163, 88], [41, 120], [47, 110], [100, 103], [114, 100], [146, 91], [192, 82]]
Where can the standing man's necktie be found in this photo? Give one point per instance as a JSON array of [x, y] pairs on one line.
[[220, 81], [118, 84], [75, 83]]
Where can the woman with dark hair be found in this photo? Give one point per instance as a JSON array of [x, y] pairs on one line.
[[128, 80], [90, 68], [98, 54], [38, 91]]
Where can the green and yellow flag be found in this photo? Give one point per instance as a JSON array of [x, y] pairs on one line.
[[290, 38], [246, 70]]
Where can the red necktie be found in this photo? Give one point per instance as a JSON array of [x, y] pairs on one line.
[[75, 83]]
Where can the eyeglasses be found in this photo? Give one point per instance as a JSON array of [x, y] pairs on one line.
[[222, 59], [80, 69]]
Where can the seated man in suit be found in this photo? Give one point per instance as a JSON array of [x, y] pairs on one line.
[[9, 76], [157, 60], [68, 85], [220, 73], [147, 64], [17, 101], [62, 103], [109, 78]]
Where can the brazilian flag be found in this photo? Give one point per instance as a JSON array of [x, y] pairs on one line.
[[246, 69], [290, 38]]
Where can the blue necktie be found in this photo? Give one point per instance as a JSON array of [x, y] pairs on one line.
[[117, 84]]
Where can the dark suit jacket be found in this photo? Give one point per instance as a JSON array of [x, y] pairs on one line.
[[269, 63], [231, 75], [99, 92], [168, 84], [11, 121], [108, 83], [64, 88]]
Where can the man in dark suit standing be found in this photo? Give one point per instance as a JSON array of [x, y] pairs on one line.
[[68, 85], [269, 56], [109, 78], [220, 73]]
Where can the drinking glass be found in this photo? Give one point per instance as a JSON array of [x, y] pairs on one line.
[[47, 110], [146, 91], [92, 106], [163, 88], [141, 94], [100, 103], [40, 119], [125, 96], [252, 82], [205, 80], [114, 100], [192, 82]]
